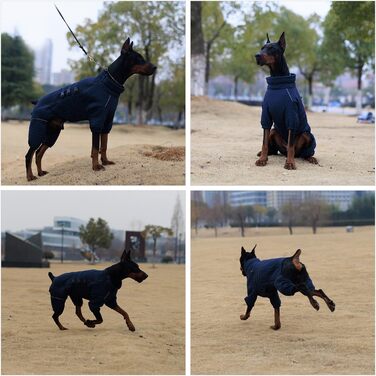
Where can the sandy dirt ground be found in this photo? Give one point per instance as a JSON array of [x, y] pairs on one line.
[[69, 162], [32, 343], [227, 136], [309, 342]]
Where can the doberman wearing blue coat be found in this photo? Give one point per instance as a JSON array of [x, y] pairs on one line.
[[283, 108], [286, 275], [98, 286], [94, 99]]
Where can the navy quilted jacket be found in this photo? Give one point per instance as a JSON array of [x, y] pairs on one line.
[[265, 277], [94, 285], [94, 99], [283, 106]]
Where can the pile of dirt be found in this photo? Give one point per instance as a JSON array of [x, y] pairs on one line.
[[174, 154]]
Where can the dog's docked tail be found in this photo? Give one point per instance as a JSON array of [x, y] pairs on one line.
[[52, 277]]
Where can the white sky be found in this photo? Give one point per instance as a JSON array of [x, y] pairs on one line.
[[121, 209], [37, 20]]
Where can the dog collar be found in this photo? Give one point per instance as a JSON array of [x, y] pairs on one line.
[[281, 82], [110, 82]]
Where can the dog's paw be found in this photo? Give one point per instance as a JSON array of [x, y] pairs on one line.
[[98, 167], [42, 173], [315, 305], [312, 160], [89, 324], [275, 327], [31, 178], [290, 166], [63, 328], [107, 163], [331, 306], [244, 317], [261, 162], [131, 326]]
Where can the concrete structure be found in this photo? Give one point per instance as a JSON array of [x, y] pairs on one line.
[[22, 253]]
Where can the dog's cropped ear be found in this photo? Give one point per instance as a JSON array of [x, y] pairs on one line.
[[296, 260], [282, 41], [126, 256], [267, 38], [243, 251], [127, 46], [253, 250]]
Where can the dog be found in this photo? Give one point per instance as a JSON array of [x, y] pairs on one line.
[[94, 99], [286, 275], [98, 286], [283, 107]]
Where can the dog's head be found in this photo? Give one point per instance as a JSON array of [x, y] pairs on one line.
[[135, 61], [244, 256], [130, 269], [294, 270], [271, 53]]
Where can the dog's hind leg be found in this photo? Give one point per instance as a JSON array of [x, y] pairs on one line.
[[95, 152], [28, 160], [38, 159], [103, 150], [58, 308], [276, 303], [321, 294], [126, 317]]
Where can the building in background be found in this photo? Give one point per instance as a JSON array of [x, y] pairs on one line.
[[274, 199], [63, 77], [43, 63]]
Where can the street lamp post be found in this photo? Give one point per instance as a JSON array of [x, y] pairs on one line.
[[62, 244]]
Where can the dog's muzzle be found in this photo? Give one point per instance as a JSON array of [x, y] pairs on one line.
[[259, 59]]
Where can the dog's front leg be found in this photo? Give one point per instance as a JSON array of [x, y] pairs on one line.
[[247, 314], [95, 152], [329, 302], [98, 318], [126, 317], [290, 161], [262, 161], [28, 161], [104, 159]]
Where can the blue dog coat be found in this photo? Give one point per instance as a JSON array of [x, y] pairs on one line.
[[94, 285], [283, 106], [264, 278], [94, 99]]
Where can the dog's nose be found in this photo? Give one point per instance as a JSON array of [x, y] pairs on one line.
[[145, 276], [257, 56], [154, 68]]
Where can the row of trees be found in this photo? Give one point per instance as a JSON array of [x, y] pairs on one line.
[[321, 49], [313, 212], [157, 29]]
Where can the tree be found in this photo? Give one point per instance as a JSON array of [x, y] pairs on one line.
[[96, 234], [349, 39], [215, 214], [177, 224], [17, 71], [313, 210], [198, 210], [197, 50], [271, 213], [290, 213], [155, 232], [215, 26], [155, 26], [241, 215]]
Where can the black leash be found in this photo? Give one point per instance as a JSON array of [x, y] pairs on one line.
[[78, 42]]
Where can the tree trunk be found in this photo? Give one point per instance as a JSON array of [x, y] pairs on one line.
[[310, 92], [359, 91], [197, 51], [140, 101], [290, 229], [215, 231], [207, 67], [314, 227], [236, 82], [154, 250]]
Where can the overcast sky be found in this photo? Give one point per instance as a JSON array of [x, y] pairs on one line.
[[121, 209], [37, 20]]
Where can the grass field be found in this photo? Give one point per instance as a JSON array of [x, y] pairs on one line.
[[32, 343], [309, 342]]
